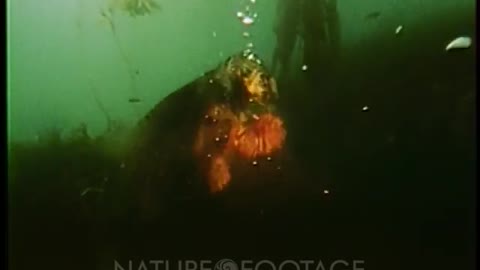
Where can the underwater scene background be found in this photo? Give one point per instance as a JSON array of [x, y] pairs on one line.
[[243, 129]]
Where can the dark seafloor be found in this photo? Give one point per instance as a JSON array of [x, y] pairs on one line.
[[401, 176]]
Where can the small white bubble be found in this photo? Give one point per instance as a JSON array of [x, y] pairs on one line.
[[210, 81], [255, 15], [246, 34], [250, 45], [240, 14], [217, 139], [252, 1], [304, 67], [247, 52], [247, 20], [209, 155], [254, 163], [214, 34], [326, 191], [269, 158], [365, 109]]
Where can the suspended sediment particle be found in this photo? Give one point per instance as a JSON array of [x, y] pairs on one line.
[[398, 30]]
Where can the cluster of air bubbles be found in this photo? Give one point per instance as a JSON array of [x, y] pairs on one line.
[[247, 17], [250, 55]]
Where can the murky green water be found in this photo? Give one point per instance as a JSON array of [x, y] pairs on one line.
[[378, 164]]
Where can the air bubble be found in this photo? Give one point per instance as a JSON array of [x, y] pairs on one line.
[[247, 20]]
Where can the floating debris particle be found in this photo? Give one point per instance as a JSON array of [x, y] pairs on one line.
[[246, 34], [459, 43], [134, 100], [240, 14], [91, 189], [304, 67], [254, 163], [217, 139], [269, 158], [398, 30], [326, 191], [365, 109], [214, 34], [250, 45]]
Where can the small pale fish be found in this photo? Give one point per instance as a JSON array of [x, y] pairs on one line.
[[399, 29], [459, 43]]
